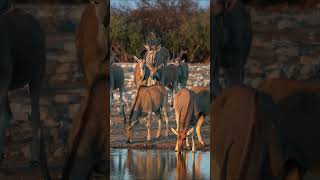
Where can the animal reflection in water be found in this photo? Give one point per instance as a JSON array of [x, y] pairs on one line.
[[159, 164]]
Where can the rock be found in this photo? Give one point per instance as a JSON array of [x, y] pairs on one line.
[[312, 20], [65, 59], [59, 153], [26, 151], [50, 123], [275, 66], [61, 99], [307, 70], [26, 108], [15, 107], [307, 60], [289, 51], [291, 71], [284, 24], [54, 133], [44, 102], [64, 68], [73, 109], [274, 74], [254, 68], [20, 116], [67, 26], [44, 114], [256, 82], [59, 78]]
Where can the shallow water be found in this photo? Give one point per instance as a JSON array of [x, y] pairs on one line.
[[159, 164]]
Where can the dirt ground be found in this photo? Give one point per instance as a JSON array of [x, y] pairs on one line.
[[199, 75]]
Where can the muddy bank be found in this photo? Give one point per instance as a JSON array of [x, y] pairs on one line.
[[118, 138]]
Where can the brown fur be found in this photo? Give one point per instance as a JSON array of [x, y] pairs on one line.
[[149, 99], [87, 142], [202, 98], [243, 136], [280, 88], [185, 107], [139, 72], [297, 100], [91, 43]]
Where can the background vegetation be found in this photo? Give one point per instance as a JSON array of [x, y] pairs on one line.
[[177, 23]]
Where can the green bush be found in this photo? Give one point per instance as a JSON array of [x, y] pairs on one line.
[[176, 25]]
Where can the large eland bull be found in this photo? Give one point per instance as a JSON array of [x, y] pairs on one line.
[[298, 124], [22, 62], [268, 133], [245, 142]]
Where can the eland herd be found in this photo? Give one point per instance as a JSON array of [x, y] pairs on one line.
[[154, 73]]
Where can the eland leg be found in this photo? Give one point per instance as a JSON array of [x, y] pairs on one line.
[[122, 107], [149, 126], [172, 93], [198, 129], [187, 143], [165, 114], [193, 144], [159, 125]]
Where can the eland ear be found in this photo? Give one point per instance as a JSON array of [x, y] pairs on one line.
[[189, 132], [158, 48], [136, 59], [174, 131], [147, 47]]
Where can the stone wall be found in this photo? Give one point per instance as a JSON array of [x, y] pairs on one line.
[[286, 44], [63, 87]]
